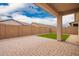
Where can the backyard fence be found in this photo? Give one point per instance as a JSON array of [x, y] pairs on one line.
[[8, 31]]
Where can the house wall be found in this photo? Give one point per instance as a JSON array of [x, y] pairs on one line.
[[77, 16], [71, 29], [77, 19]]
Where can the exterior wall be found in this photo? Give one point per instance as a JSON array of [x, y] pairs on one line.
[[77, 19], [53, 30], [35, 30], [9, 31], [2, 31], [24, 30], [70, 30], [44, 30], [77, 16]]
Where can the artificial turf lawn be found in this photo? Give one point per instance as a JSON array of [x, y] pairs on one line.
[[54, 36]]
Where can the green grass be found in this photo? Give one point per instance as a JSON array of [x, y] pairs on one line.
[[54, 36]]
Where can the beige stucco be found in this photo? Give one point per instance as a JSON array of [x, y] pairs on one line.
[[77, 16]]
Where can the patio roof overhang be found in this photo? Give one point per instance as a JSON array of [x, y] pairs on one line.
[[58, 10]]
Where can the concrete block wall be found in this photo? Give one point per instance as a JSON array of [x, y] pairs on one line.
[[35, 30], [24, 30], [2, 31], [53, 29], [70, 30], [9, 31]]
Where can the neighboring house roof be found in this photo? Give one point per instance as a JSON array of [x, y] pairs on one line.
[[13, 22], [16, 22], [10, 22], [43, 25]]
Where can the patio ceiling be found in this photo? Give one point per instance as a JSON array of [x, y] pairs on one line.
[[56, 8]]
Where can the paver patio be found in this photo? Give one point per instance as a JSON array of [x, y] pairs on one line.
[[73, 39], [36, 46]]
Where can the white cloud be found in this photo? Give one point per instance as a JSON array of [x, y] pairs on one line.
[[10, 7], [22, 18], [47, 21], [16, 6]]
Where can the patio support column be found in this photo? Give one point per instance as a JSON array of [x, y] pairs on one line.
[[59, 27]]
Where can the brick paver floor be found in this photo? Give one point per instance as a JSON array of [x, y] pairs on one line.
[[74, 39], [36, 46]]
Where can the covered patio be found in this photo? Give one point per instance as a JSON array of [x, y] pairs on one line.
[[34, 45], [59, 10]]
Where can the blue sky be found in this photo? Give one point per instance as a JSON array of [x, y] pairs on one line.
[[28, 12], [31, 10]]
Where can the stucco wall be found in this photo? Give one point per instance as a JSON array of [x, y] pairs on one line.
[[77, 16]]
